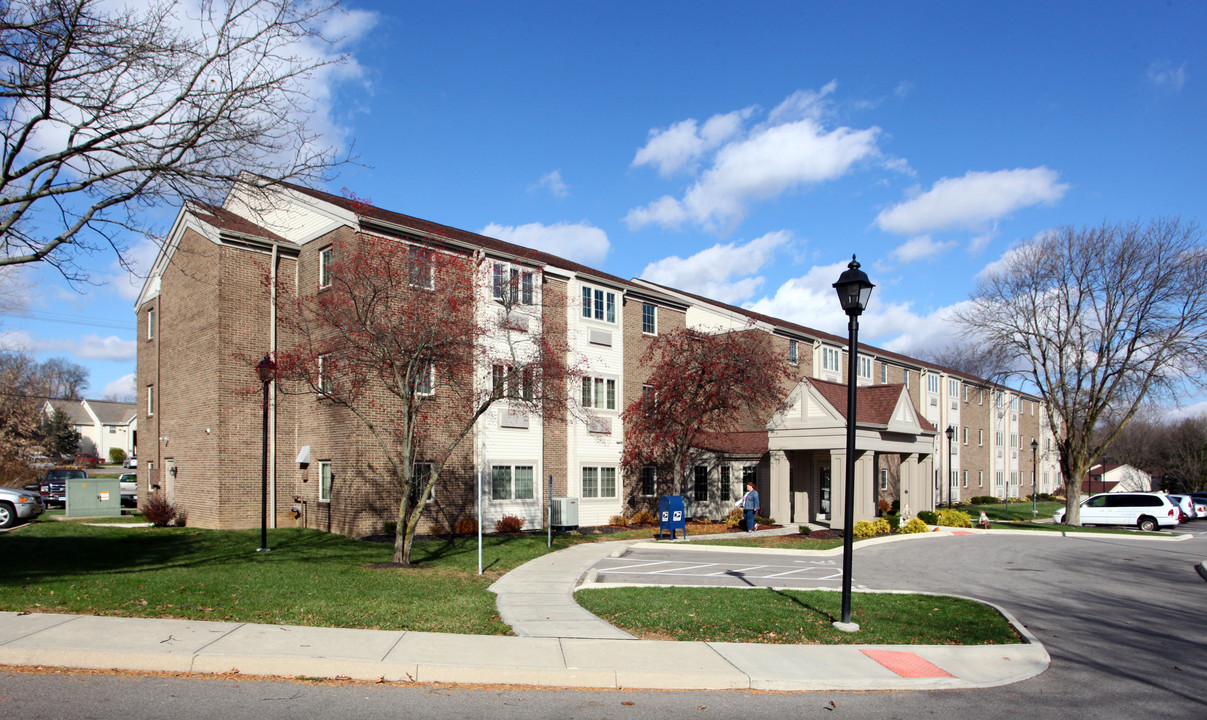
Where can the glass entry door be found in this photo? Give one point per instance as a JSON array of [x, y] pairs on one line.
[[824, 479]]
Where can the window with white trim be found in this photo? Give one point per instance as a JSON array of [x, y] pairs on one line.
[[965, 478], [649, 319], [700, 489], [792, 352], [883, 373], [506, 382], [649, 480], [326, 255], [513, 285], [599, 304], [424, 381], [997, 479], [831, 359], [325, 481], [980, 478], [965, 393], [419, 261], [151, 323], [905, 373], [980, 437], [599, 482], [150, 400], [511, 482], [599, 393], [749, 473], [932, 383], [865, 368], [884, 478], [965, 434], [325, 367], [421, 472], [953, 387]]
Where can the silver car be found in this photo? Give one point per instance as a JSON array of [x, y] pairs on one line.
[[18, 505]]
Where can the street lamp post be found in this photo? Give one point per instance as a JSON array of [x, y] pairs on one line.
[[951, 433], [1034, 478], [265, 370], [854, 289]]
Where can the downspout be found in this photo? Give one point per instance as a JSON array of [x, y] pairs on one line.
[[272, 398]]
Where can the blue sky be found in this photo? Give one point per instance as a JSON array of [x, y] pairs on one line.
[[745, 150]]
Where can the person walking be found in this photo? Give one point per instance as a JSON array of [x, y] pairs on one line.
[[750, 503]]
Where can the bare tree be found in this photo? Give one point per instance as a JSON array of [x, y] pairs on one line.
[[1099, 319], [19, 415], [107, 108], [968, 356]]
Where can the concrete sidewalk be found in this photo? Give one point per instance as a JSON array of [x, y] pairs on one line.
[[558, 644]]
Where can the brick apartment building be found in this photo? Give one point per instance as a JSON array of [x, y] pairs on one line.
[[205, 309]]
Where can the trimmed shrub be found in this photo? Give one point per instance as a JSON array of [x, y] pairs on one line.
[[928, 517], [894, 522], [619, 521], [916, 525], [881, 527], [955, 518], [643, 517], [760, 520], [466, 526], [734, 518], [895, 509], [805, 530], [158, 511], [984, 500], [509, 525], [863, 529], [117, 456], [389, 527]]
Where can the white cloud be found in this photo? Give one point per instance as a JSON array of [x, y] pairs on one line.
[[121, 388], [920, 247], [903, 89], [970, 201], [552, 181], [808, 300], [685, 142], [95, 347], [1164, 76], [712, 271], [128, 282], [580, 242], [792, 149]]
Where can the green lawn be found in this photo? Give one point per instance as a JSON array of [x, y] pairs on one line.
[[309, 578], [781, 542], [796, 616], [1019, 510]]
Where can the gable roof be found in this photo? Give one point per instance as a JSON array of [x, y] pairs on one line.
[[745, 442], [874, 404], [111, 412]]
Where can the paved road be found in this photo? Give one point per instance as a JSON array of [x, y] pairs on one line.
[[1121, 618]]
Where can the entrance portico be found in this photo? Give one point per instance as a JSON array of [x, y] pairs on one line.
[[807, 441]]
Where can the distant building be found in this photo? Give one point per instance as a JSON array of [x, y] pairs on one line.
[[102, 424], [1105, 477]]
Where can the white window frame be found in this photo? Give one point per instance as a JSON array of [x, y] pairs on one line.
[[932, 383], [511, 482], [150, 401], [326, 256], [883, 373], [831, 359], [980, 478], [426, 385], [150, 323], [864, 366], [324, 377], [594, 491], [793, 352], [883, 479], [499, 375], [590, 398], [598, 304], [649, 311], [325, 481], [953, 387], [415, 473]]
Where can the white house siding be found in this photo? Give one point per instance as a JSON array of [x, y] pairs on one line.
[[586, 449], [501, 438], [297, 221]]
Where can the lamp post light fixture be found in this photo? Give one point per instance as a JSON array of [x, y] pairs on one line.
[[951, 433], [1034, 479], [854, 289], [266, 370]]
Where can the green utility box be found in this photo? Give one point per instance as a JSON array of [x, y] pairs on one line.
[[92, 497]]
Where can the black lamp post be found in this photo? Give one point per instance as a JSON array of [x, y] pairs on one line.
[[854, 290], [266, 369], [1034, 479], [951, 433]]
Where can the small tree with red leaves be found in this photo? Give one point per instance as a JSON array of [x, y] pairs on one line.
[[701, 382], [396, 335]]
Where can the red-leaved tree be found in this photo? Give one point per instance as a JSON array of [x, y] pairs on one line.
[[701, 382], [413, 341]]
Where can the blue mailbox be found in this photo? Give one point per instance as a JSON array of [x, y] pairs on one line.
[[671, 516]]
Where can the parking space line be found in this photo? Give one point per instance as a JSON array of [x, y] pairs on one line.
[[739, 570], [689, 567], [638, 565]]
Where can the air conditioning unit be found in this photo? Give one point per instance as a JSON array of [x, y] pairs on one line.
[[564, 513]]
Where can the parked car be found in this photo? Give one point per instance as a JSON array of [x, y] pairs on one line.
[[131, 462], [53, 485], [129, 484], [1185, 503], [87, 461], [1145, 510], [18, 506]]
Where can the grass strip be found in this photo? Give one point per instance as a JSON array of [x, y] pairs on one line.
[[309, 578], [796, 616], [779, 542]]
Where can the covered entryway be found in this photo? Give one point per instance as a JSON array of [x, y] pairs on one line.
[[807, 448]]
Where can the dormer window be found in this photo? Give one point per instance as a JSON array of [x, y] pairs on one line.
[[599, 304]]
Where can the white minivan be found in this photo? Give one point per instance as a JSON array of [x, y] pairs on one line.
[[1145, 510]]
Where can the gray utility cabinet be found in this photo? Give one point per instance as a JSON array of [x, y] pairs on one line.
[[93, 497], [564, 513]]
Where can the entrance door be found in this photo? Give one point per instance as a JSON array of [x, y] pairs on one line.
[[824, 481], [169, 479]]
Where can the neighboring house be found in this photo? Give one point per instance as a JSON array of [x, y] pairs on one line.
[[102, 424], [1115, 478], [205, 309]]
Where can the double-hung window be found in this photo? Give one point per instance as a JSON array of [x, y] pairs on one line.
[[421, 472], [831, 359], [883, 478], [883, 373], [151, 324], [326, 255], [511, 482], [324, 374], [425, 383], [599, 304], [649, 319], [700, 493], [420, 262], [599, 393], [324, 481], [513, 285], [599, 482], [507, 382], [649, 480], [726, 485]]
